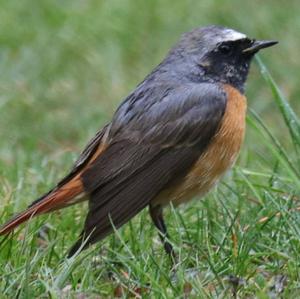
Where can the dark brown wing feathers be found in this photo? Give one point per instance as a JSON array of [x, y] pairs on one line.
[[132, 171], [128, 193]]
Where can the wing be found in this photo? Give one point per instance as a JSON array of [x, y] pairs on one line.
[[155, 137]]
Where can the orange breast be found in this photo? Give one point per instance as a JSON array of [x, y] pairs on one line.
[[218, 157]]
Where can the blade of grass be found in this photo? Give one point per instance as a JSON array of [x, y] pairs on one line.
[[276, 147], [291, 119]]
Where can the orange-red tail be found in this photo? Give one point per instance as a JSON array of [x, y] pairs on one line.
[[68, 194]]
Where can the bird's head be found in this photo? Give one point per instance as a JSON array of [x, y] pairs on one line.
[[219, 54]]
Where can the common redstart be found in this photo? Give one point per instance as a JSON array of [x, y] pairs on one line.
[[170, 140]]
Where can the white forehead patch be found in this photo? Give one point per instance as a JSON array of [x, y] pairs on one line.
[[232, 35]]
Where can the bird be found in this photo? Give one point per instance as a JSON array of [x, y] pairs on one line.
[[170, 140]]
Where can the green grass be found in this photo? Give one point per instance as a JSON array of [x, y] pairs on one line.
[[65, 66]]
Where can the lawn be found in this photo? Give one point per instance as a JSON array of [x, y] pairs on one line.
[[64, 68]]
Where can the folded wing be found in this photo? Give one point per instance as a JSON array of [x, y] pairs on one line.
[[155, 137]]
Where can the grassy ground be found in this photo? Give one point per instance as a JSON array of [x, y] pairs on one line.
[[65, 66]]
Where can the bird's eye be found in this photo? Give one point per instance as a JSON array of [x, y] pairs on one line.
[[225, 49]]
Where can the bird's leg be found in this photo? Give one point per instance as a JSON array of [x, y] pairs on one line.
[[158, 220]]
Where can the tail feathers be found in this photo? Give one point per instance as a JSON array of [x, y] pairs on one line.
[[66, 195]]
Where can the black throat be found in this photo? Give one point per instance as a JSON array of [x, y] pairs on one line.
[[184, 71]]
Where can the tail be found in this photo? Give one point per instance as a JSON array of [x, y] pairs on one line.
[[63, 196], [68, 191]]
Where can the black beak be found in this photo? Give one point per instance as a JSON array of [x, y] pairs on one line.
[[258, 45]]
